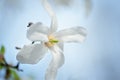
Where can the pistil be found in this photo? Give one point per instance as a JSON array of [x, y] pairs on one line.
[[52, 41]]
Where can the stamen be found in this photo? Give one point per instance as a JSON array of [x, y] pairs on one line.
[[49, 44], [51, 37], [52, 41]]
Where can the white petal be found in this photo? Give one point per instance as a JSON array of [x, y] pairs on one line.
[[57, 62], [75, 34], [61, 45], [31, 54], [37, 32], [54, 25], [48, 8], [51, 13]]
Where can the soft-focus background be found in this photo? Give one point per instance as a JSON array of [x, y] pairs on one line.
[[98, 58]]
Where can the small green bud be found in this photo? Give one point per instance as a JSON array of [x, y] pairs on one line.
[[2, 50]]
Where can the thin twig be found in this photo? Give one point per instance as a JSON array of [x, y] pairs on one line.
[[10, 66]]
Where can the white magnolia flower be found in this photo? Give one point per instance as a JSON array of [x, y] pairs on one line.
[[49, 40]]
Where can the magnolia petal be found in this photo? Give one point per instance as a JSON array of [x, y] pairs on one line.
[[31, 54], [54, 25], [75, 34], [57, 62], [48, 8], [37, 32], [61, 45], [51, 13]]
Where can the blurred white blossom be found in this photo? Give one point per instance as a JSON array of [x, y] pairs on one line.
[[88, 7], [63, 2], [87, 4]]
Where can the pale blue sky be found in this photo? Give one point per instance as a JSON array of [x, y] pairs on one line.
[[95, 59]]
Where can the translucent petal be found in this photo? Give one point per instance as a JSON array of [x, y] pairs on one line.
[[51, 13], [57, 62], [31, 54], [37, 32], [48, 8], [61, 45], [75, 34], [54, 25]]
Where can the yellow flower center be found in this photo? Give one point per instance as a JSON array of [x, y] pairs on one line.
[[52, 41]]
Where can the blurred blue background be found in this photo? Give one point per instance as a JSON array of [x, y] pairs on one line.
[[98, 58]]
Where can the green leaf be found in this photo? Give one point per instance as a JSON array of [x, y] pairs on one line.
[[15, 75], [2, 50], [1, 67]]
